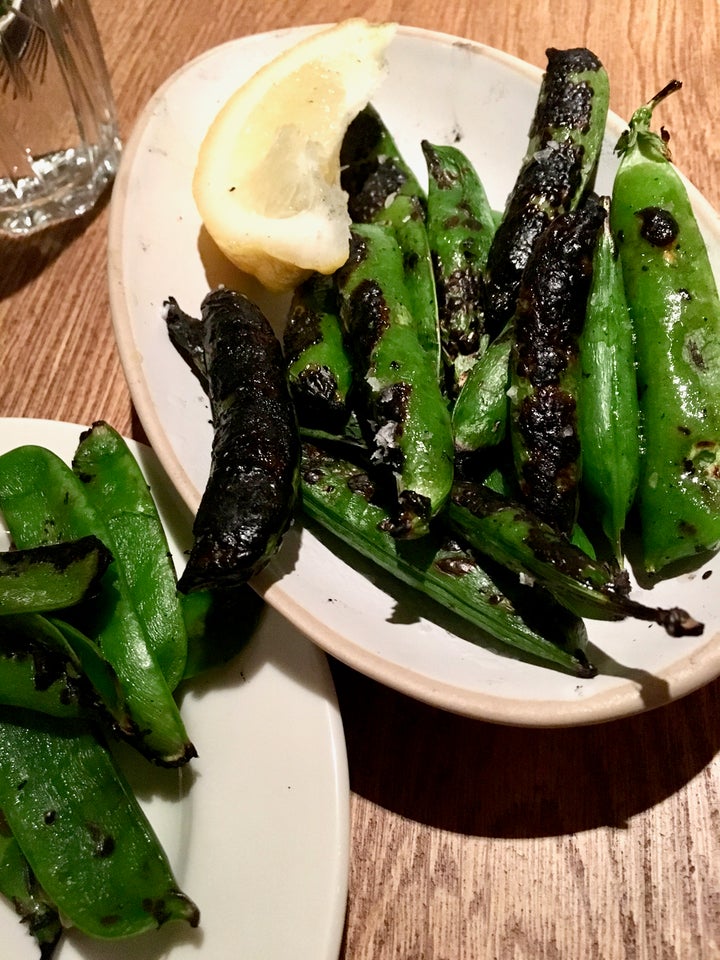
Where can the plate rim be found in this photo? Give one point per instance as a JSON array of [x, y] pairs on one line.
[[624, 700]]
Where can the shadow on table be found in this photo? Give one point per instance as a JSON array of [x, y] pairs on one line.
[[484, 779]]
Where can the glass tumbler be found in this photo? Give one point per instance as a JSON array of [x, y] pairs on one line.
[[59, 144]]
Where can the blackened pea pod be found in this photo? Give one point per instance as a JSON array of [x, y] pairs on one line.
[[608, 416], [43, 501], [318, 365], [82, 831], [248, 502], [480, 412], [119, 492], [19, 885], [558, 168], [510, 534], [340, 496], [460, 228], [545, 365], [673, 300], [51, 576], [399, 396], [383, 189]]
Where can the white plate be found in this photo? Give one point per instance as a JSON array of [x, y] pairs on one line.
[[258, 833], [443, 89]]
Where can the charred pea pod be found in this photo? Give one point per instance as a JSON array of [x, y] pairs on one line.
[[79, 826], [510, 534], [249, 499], [608, 417], [52, 576], [318, 365], [341, 497], [673, 300], [545, 365], [32, 905], [480, 413], [383, 189], [559, 165], [404, 411], [43, 501], [460, 227], [118, 491]]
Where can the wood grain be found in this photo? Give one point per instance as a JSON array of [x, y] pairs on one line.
[[469, 841]]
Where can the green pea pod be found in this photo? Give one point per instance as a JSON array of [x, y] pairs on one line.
[[510, 534], [673, 300], [341, 497], [318, 364], [480, 413], [30, 902], [608, 416], [545, 365], [407, 418], [460, 228], [43, 502], [383, 189], [118, 491], [82, 831], [51, 577], [558, 168]]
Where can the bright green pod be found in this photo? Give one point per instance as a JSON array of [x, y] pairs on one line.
[[82, 831], [341, 497], [383, 189], [319, 367], [608, 415], [19, 885], [480, 413], [460, 228], [399, 396], [43, 501], [673, 300]]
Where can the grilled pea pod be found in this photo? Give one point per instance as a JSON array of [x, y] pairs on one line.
[[545, 368], [78, 824], [341, 497], [559, 166], [608, 416], [30, 902], [318, 365], [383, 189], [51, 576], [460, 228], [43, 501], [403, 409], [673, 300], [250, 495], [480, 412], [513, 536]]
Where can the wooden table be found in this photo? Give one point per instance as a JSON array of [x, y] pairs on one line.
[[469, 841]]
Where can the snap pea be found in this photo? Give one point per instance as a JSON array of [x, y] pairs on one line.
[[480, 412], [342, 498], [118, 491], [460, 227], [52, 576], [513, 536], [407, 419], [43, 501], [673, 300], [82, 831], [383, 189], [558, 168], [608, 416], [318, 365], [545, 365], [30, 902]]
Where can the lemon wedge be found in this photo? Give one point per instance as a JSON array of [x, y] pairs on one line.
[[267, 179]]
